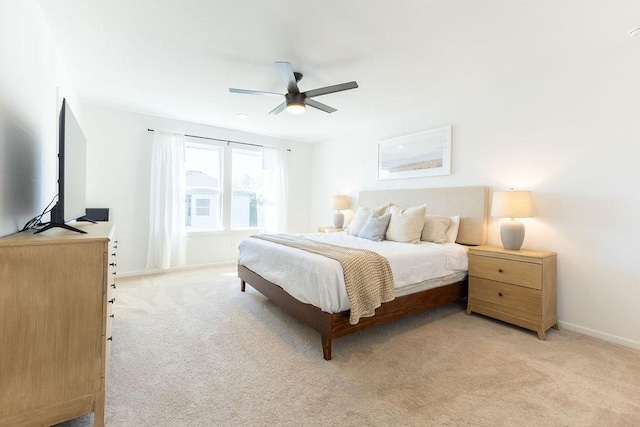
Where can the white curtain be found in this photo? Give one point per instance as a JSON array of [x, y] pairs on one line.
[[167, 201], [274, 165]]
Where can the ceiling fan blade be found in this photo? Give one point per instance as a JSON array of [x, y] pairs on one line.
[[278, 109], [330, 89], [254, 92], [289, 79], [319, 106]]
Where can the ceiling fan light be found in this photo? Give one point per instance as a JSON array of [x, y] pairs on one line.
[[296, 108]]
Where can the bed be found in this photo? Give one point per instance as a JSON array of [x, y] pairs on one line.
[[309, 286]]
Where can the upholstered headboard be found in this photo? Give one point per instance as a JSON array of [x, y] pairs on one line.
[[471, 203]]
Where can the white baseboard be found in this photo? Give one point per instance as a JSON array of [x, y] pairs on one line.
[[600, 335], [173, 269]]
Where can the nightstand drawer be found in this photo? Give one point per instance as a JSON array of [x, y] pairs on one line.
[[514, 300], [503, 270]]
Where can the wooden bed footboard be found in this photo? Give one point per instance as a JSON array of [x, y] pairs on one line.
[[337, 325]]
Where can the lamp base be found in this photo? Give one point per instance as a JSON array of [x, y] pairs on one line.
[[512, 235], [338, 219]]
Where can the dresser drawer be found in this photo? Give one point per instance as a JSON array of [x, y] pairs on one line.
[[504, 270], [112, 267], [510, 299], [108, 337]]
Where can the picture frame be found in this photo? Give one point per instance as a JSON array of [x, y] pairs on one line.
[[421, 154]]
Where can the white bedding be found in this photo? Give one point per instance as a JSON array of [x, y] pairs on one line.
[[318, 280]]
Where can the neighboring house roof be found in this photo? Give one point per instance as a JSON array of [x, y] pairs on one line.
[[201, 180]]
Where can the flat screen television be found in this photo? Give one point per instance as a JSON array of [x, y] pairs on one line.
[[72, 173]]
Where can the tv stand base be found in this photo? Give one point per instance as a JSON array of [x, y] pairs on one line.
[[60, 225]]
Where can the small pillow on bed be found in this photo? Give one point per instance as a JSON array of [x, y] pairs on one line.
[[435, 229], [361, 216], [375, 228], [406, 224], [452, 231]]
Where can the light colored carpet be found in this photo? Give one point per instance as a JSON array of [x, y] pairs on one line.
[[190, 349]]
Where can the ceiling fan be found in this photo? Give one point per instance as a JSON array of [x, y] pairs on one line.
[[295, 102]]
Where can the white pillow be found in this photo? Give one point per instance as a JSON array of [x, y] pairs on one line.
[[435, 229], [406, 224], [361, 216], [452, 232]]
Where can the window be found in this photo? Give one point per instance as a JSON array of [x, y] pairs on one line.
[[188, 209], [203, 207], [246, 203], [224, 187], [203, 165]]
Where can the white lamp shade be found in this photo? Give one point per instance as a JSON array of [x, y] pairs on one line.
[[339, 202], [512, 204]]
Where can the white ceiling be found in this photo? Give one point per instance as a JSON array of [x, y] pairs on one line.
[[177, 59]]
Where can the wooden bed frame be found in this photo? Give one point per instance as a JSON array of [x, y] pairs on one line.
[[471, 203], [335, 325]]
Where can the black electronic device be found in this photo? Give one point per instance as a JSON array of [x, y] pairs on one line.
[[96, 214], [72, 173]]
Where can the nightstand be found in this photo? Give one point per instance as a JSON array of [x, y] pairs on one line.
[[329, 229], [518, 287]]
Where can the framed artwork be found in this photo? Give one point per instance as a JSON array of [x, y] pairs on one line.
[[420, 154]]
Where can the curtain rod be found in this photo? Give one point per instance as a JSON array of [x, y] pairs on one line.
[[221, 140]]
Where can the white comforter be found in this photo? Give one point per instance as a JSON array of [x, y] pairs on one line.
[[317, 280]]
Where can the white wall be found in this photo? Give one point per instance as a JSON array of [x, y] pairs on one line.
[[570, 134], [118, 170], [33, 81]]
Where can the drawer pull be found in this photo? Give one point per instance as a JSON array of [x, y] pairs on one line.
[[113, 264], [500, 271], [113, 286], [112, 316], [114, 273], [112, 300], [110, 338], [499, 294], [113, 254]]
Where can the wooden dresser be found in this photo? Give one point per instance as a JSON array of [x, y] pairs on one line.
[[56, 305], [518, 287]]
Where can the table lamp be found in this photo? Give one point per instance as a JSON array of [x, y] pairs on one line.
[[512, 204], [339, 203]]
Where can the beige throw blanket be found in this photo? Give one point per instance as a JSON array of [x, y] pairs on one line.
[[367, 275]]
